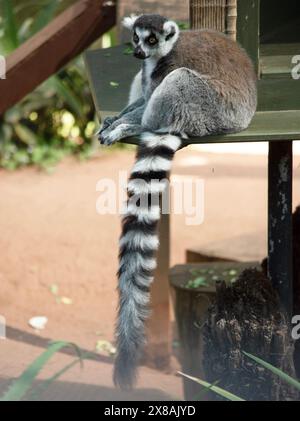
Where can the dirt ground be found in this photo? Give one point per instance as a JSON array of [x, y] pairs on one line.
[[52, 237]]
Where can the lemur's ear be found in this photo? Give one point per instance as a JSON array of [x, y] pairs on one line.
[[128, 22], [171, 29]]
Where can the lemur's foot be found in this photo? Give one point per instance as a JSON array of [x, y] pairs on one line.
[[113, 133], [108, 121]]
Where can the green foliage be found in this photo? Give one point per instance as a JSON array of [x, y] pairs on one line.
[[205, 277], [58, 118], [20, 388]]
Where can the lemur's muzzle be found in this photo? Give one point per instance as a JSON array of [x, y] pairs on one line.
[[139, 53]]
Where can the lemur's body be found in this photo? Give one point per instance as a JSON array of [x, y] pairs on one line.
[[194, 83]]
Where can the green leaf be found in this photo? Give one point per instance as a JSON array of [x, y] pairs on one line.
[[128, 51], [216, 389], [10, 27], [200, 282], [41, 389], [24, 30], [26, 135], [67, 94], [114, 84], [45, 15], [292, 382], [21, 385]]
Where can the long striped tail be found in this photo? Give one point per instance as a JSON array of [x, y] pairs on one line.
[[138, 245]]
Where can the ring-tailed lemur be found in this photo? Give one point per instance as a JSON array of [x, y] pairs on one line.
[[192, 83]]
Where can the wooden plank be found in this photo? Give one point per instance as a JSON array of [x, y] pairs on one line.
[[279, 49], [276, 66], [53, 47], [267, 126], [103, 67], [278, 94], [248, 28]]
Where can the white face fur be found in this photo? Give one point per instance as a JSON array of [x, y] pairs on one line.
[[152, 43]]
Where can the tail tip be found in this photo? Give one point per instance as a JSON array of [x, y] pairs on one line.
[[124, 379]]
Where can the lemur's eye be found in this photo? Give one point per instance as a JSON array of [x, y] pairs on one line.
[[152, 40], [135, 38]]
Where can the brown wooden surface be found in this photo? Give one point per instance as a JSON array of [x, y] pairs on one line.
[[158, 350], [53, 47], [241, 248]]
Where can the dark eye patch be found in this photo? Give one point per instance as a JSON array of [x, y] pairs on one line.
[[151, 40], [135, 38]]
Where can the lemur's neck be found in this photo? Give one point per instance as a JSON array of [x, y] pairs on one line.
[[151, 62], [149, 65]]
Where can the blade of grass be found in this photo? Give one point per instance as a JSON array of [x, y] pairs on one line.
[[9, 23], [204, 391], [215, 389], [26, 135], [44, 386], [292, 382], [20, 386]]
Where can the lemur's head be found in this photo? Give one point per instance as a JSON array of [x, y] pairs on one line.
[[152, 35]]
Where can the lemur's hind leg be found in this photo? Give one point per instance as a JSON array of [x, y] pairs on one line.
[[184, 102]]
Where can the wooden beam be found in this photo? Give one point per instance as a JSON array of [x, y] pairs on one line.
[[53, 47]]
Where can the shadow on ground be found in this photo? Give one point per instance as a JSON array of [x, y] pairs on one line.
[[68, 391]]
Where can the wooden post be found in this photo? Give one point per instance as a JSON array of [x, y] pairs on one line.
[[158, 351], [280, 262]]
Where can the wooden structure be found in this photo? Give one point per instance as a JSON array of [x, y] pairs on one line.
[[177, 10], [277, 121], [216, 14]]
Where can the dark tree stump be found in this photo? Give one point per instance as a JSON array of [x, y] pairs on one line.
[[247, 317]]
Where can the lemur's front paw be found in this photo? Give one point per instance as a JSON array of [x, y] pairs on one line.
[[108, 121], [105, 138]]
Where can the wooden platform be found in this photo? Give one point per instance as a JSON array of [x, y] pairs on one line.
[[240, 248], [278, 116]]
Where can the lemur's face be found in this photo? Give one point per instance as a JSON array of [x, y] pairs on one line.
[[152, 35]]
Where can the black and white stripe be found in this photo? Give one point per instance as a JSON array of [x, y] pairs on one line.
[[138, 245]]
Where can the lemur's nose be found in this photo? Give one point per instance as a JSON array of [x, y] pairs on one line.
[[139, 53]]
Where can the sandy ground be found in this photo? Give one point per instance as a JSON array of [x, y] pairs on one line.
[[51, 234]]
